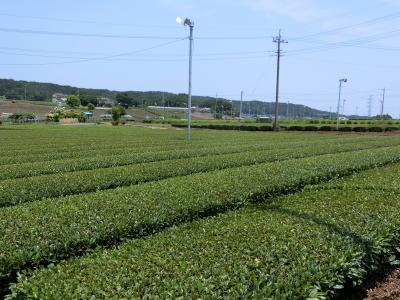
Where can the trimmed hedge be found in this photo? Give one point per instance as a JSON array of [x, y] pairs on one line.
[[290, 127], [52, 229], [360, 129], [303, 246]]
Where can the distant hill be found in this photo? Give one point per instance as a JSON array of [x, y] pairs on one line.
[[37, 91]]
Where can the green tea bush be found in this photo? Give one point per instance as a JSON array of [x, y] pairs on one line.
[[52, 229], [360, 129], [326, 128], [17, 191], [296, 128], [303, 246], [376, 129], [310, 128]]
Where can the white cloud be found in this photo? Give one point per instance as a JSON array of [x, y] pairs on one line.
[[297, 10]]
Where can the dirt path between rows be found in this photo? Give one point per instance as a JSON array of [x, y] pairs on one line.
[[388, 289]]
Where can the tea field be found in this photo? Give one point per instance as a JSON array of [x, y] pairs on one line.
[[100, 212]]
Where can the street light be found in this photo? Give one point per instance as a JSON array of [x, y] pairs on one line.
[[190, 23], [341, 81]]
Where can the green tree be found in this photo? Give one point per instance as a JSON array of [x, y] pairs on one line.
[[91, 107], [117, 112], [73, 101], [88, 98], [125, 99]]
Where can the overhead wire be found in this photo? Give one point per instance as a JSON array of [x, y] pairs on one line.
[[99, 58]]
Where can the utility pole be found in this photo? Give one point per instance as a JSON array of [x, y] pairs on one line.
[[287, 110], [279, 41], [190, 23], [216, 103], [341, 81], [370, 106], [163, 101], [330, 112], [191, 26], [241, 106], [383, 102], [232, 109]]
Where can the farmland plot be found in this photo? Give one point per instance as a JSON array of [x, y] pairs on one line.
[[71, 190]]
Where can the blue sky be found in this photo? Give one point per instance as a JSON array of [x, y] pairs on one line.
[[92, 43]]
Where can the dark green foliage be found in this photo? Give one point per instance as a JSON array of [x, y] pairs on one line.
[[376, 129], [326, 128], [360, 129], [39, 227], [117, 112], [296, 128], [311, 128], [91, 107], [13, 89], [105, 176], [345, 129], [303, 246], [73, 101], [22, 117], [88, 99]]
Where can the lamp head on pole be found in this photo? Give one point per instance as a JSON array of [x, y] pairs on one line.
[[185, 22], [343, 80]]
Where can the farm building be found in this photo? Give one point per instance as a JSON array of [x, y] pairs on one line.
[[59, 99]]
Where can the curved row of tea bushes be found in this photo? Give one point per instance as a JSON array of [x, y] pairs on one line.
[[16, 191], [49, 230], [303, 246], [127, 156], [65, 152]]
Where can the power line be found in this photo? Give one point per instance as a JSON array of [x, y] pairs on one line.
[[93, 35], [98, 58], [339, 29], [348, 43], [120, 36], [83, 21]]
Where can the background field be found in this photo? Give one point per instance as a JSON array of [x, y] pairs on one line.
[[132, 212]]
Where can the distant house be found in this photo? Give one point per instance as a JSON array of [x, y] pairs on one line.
[[59, 99], [104, 101]]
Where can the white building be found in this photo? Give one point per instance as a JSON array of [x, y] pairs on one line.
[[59, 99]]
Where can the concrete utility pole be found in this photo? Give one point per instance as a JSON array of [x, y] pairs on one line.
[[287, 110], [241, 105], [216, 103], [190, 23], [383, 102], [279, 41], [370, 106], [191, 26], [163, 101], [341, 81]]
